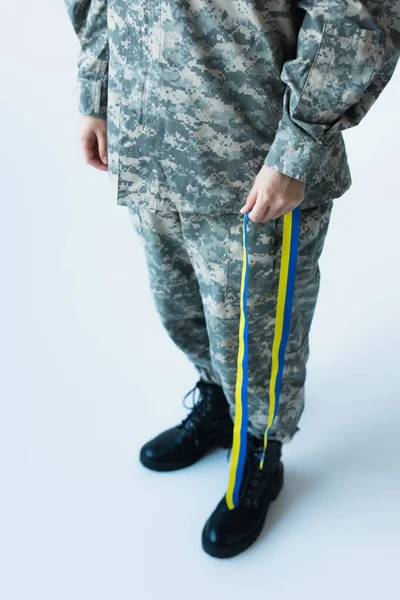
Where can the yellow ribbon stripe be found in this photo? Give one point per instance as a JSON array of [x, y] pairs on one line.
[[240, 425], [282, 326], [280, 307]]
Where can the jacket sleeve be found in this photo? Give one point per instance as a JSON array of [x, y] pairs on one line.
[[89, 20], [346, 54]]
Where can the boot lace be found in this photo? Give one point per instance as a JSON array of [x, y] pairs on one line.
[[252, 475], [200, 408]]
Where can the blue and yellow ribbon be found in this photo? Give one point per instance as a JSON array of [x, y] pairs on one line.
[[287, 275], [240, 426]]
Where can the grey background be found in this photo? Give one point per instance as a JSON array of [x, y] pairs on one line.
[[88, 375]]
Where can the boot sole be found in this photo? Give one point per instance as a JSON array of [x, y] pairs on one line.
[[248, 541], [182, 464]]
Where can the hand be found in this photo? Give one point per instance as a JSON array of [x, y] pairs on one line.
[[92, 134], [273, 195]]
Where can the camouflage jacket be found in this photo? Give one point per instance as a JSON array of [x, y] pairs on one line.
[[199, 94]]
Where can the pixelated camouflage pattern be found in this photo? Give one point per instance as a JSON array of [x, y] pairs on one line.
[[195, 264], [200, 93], [89, 20]]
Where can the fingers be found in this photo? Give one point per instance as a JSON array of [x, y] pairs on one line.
[[102, 145], [261, 210], [267, 208], [283, 211], [92, 134], [273, 195], [91, 152], [285, 207], [250, 202]]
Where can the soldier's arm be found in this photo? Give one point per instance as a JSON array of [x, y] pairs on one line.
[[346, 55], [89, 20]]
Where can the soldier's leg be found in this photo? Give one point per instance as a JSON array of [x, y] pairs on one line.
[[258, 320], [175, 289], [174, 285], [313, 228], [215, 247]]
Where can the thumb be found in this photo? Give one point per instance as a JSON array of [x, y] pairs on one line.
[[250, 202], [102, 145]]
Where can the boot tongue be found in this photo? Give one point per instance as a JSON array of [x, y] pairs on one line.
[[255, 479], [201, 408], [252, 471], [214, 398]]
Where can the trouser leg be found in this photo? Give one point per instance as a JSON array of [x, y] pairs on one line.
[[314, 225], [174, 286], [214, 244]]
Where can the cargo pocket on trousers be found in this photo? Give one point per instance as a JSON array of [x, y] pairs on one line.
[[341, 71], [261, 242], [134, 212]]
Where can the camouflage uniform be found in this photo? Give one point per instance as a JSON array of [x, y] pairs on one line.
[[198, 95], [194, 265]]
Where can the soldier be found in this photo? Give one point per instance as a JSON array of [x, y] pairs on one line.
[[220, 126]]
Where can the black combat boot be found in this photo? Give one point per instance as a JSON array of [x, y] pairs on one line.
[[229, 532], [207, 426]]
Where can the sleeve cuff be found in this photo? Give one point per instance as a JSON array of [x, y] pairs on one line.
[[295, 153], [91, 97]]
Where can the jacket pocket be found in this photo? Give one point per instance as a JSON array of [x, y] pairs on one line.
[[340, 73]]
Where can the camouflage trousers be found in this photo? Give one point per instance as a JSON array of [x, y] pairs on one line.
[[194, 266]]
